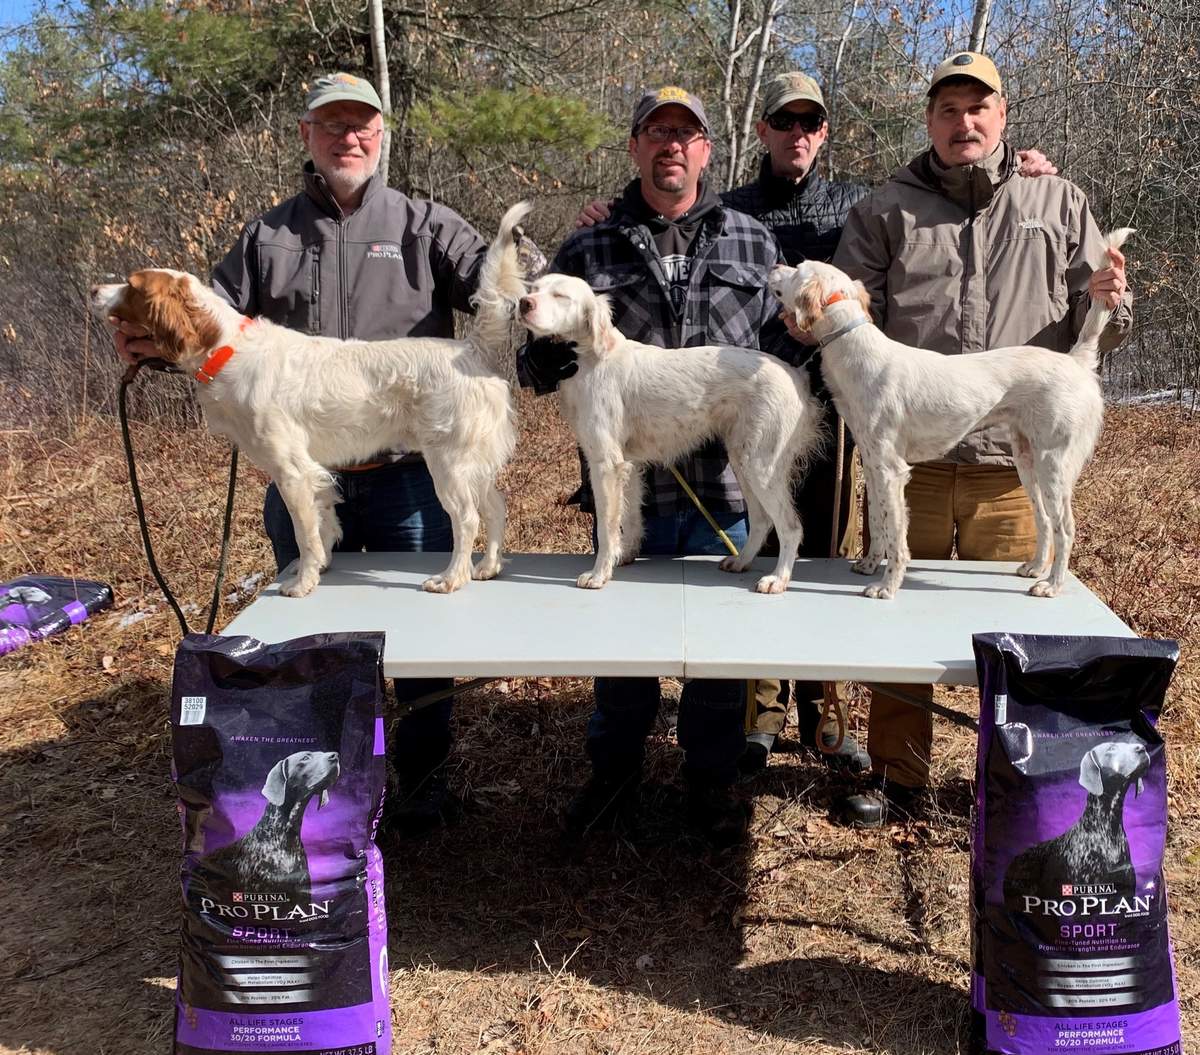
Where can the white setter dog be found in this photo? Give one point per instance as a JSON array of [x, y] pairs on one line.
[[634, 404], [300, 405], [907, 405]]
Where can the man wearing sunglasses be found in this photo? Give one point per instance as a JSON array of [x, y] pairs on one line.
[[680, 270], [351, 257]]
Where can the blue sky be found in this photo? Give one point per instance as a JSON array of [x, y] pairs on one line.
[[17, 12]]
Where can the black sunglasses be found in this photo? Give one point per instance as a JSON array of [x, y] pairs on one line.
[[785, 121]]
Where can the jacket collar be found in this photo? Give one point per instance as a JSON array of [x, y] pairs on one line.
[[970, 186], [779, 190], [633, 210], [317, 188]]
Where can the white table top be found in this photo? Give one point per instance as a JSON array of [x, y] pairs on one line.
[[680, 617]]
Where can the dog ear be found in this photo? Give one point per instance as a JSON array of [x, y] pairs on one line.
[[864, 298], [275, 789], [1089, 774], [324, 799], [810, 303], [599, 317], [179, 326]]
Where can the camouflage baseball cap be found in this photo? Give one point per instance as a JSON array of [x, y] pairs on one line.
[[342, 87], [668, 96], [790, 88], [968, 64]]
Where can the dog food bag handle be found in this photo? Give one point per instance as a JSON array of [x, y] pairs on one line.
[[278, 759], [1070, 947]]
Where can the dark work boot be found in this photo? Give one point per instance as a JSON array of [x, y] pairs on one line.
[[753, 760], [716, 814], [419, 806], [849, 756], [606, 801], [881, 802]]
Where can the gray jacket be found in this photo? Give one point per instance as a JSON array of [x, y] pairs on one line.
[[396, 267], [959, 260]]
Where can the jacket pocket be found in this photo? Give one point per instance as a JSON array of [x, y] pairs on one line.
[[735, 303], [1027, 288], [290, 286]]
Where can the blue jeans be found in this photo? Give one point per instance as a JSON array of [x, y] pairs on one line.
[[711, 713], [390, 509]]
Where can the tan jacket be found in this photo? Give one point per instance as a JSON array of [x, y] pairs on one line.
[[974, 257]]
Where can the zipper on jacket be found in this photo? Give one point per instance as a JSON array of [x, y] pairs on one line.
[[343, 299], [643, 242]]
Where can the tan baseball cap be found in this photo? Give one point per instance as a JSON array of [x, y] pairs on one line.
[[968, 64], [342, 87], [668, 96], [790, 88]]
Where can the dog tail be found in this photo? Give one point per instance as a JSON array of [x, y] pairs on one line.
[[1086, 349], [501, 285]]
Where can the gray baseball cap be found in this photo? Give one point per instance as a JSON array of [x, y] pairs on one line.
[[668, 96], [341, 87], [790, 88]]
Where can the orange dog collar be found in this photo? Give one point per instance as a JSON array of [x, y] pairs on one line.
[[217, 358]]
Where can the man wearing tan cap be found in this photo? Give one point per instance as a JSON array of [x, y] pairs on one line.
[[960, 254], [351, 257]]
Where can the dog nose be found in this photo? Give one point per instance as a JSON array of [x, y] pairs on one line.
[[525, 305]]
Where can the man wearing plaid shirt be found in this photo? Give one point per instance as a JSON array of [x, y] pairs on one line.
[[681, 270]]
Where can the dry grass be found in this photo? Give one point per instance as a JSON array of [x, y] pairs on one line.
[[812, 938]]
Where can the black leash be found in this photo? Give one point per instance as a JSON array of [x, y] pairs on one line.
[[126, 381]]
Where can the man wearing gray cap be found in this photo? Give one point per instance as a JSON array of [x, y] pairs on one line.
[[680, 270], [350, 257], [959, 255]]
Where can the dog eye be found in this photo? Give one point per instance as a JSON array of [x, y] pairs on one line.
[[560, 296]]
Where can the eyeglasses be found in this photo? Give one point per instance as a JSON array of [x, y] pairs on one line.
[[665, 133], [337, 129], [785, 121]]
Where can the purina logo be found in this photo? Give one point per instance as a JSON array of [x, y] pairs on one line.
[[237, 895], [1067, 890], [383, 251]]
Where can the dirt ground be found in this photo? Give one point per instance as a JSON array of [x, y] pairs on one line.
[[811, 938]]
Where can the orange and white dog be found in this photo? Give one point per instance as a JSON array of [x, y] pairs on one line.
[[906, 405], [298, 405]]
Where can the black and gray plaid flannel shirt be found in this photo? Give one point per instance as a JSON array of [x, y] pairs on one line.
[[727, 303]]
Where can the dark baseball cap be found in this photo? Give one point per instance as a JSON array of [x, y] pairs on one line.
[[791, 87], [668, 96]]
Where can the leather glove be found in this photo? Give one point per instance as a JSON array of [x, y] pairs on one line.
[[544, 362]]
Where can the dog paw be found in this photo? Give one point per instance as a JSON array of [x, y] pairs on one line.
[[441, 584], [591, 580], [733, 564], [1031, 570], [301, 584], [1044, 588], [879, 592], [772, 584], [485, 570], [865, 566]]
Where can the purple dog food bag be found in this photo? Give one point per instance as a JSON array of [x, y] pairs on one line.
[[34, 607], [278, 758], [1070, 949]]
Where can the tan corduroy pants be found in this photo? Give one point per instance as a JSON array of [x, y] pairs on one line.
[[977, 512]]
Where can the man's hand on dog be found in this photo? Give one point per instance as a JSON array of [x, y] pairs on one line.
[[797, 334], [1109, 283], [547, 362], [133, 341]]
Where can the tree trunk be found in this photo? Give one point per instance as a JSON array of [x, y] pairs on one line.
[[382, 82], [979, 24]]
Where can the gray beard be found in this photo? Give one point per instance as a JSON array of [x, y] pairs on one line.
[[344, 185]]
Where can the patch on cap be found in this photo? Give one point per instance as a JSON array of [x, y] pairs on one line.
[[671, 94], [968, 64]]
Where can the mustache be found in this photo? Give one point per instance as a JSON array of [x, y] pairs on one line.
[[969, 137]]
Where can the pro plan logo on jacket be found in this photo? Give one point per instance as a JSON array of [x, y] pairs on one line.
[[383, 251]]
